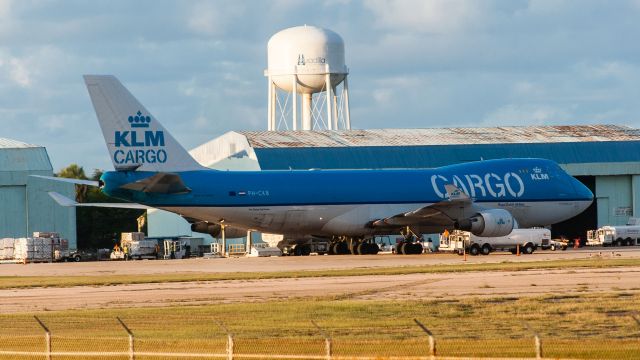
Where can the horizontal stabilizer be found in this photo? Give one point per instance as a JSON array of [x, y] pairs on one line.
[[162, 183], [67, 180], [66, 202]]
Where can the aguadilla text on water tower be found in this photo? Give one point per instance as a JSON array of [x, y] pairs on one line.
[[307, 62]]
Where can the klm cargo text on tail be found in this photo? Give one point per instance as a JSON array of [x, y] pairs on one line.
[[138, 146]]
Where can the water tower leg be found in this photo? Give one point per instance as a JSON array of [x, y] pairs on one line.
[[273, 106], [329, 94], [306, 112], [347, 117], [269, 105], [294, 102], [335, 109]]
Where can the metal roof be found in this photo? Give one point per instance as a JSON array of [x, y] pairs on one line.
[[442, 136], [15, 144]]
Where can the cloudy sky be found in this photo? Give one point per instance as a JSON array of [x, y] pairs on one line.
[[198, 65]]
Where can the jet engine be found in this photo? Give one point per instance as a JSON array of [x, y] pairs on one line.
[[488, 223], [215, 230]]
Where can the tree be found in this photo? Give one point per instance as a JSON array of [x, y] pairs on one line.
[[74, 171]]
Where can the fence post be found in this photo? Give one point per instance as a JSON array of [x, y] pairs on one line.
[[132, 354], [538, 342], [47, 337], [230, 344], [327, 341], [432, 339]]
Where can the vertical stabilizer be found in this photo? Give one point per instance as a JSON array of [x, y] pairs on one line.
[[135, 139]]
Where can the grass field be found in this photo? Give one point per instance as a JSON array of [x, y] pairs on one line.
[[576, 326], [8, 282]]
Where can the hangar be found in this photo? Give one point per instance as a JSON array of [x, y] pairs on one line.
[[26, 206], [606, 158]]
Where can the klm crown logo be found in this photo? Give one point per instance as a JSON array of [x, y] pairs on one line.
[[537, 170], [139, 121]]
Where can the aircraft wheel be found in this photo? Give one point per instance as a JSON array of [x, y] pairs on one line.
[[401, 248], [474, 250], [417, 248], [298, 251], [618, 242], [528, 249], [373, 249], [353, 247], [486, 249], [342, 248], [331, 249], [361, 249], [627, 241], [306, 250]]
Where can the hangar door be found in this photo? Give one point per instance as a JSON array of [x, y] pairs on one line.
[[13, 211]]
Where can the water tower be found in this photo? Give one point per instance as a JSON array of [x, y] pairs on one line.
[[304, 61]]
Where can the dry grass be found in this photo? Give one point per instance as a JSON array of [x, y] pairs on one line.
[[577, 326]]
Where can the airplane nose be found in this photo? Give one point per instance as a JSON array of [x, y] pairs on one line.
[[582, 191], [584, 196]]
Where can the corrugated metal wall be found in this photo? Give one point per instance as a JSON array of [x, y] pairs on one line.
[[13, 219], [25, 205], [440, 155], [614, 199]]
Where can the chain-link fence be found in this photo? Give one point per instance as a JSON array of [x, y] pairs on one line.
[[313, 342]]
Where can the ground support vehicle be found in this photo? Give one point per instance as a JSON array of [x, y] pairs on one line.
[[558, 245], [177, 249], [527, 239], [142, 249], [624, 235]]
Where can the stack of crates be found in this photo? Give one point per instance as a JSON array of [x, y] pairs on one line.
[[7, 248], [43, 246]]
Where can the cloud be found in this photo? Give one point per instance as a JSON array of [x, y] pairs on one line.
[[210, 18], [527, 114], [427, 16], [19, 73]]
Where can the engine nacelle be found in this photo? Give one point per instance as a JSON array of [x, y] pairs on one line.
[[215, 230], [488, 223]]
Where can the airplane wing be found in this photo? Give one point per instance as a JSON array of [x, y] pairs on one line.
[[458, 205], [67, 180], [65, 201], [163, 183]]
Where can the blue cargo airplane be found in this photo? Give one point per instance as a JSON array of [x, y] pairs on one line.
[[348, 207]]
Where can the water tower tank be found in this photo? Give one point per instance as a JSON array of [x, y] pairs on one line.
[[303, 61], [309, 53]]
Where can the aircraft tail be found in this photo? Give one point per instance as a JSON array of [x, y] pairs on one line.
[[135, 139]]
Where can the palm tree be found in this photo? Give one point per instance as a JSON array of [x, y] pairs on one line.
[[74, 171]]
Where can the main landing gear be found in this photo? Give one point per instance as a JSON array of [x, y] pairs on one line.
[[344, 245], [409, 245]]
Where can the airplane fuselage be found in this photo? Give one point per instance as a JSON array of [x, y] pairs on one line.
[[536, 192]]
